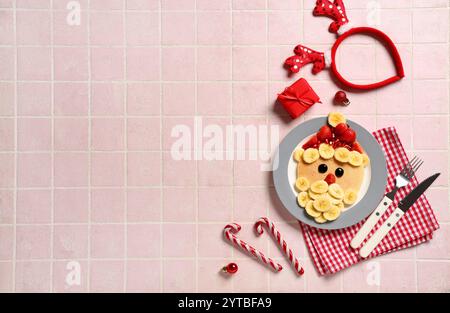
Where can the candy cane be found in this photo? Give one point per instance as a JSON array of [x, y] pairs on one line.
[[234, 228], [264, 221]]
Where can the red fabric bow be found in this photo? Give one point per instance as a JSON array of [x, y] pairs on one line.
[[298, 98]]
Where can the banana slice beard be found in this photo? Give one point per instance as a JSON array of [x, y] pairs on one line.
[[319, 186], [350, 197], [302, 184], [310, 155], [302, 199], [311, 211], [326, 151], [322, 204], [320, 219], [332, 214], [313, 195], [336, 191]]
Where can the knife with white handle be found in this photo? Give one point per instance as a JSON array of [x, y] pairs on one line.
[[403, 206]]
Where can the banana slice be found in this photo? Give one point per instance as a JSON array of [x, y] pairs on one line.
[[313, 195], [340, 205], [326, 151], [320, 219], [310, 155], [355, 158], [302, 184], [350, 197], [336, 191], [322, 204], [332, 214], [311, 211], [298, 154], [333, 200], [302, 199], [335, 118], [366, 160], [319, 186], [342, 154]]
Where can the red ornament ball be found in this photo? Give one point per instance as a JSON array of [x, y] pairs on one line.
[[231, 268], [341, 98]]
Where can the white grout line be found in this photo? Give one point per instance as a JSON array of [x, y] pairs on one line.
[[125, 174], [88, 21], [15, 149], [161, 127], [52, 178]]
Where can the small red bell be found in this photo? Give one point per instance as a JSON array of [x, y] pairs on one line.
[[231, 268], [341, 98]]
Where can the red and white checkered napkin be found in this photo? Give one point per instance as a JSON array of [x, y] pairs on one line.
[[331, 251]]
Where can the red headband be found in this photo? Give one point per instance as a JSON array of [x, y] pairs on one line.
[[336, 11]]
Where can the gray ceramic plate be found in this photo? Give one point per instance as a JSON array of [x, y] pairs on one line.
[[370, 194]]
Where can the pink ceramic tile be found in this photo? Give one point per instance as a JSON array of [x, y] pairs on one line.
[[249, 173], [276, 69], [249, 4], [433, 276], [71, 99], [215, 173], [71, 133], [143, 241], [71, 169], [142, 4], [178, 99], [214, 98], [34, 134], [33, 63], [34, 99], [285, 5], [143, 133], [143, 99], [438, 248], [397, 276], [107, 205], [277, 211], [143, 276], [213, 4], [249, 28], [70, 241], [217, 281], [215, 204], [395, 99], [430, 96], [434, 161], [107, 169], [32, 242], [178, 173], [178, 63], [7, 170], [178, 28], [354, 62], [430, 132], [440, 203], [71, 64], [249, 203], [7, 27], [7, 134], [7, 63], [211, 243], [179, 240], [435, 19], [33, 170], [8, 94], [71, 205], [249, 98], [286, 281], [402, 125], [249, 63], [142, 28], [33, 276], [253, 278], [179, 126], [398, 24], [176, 211], [360, 277], [7, 238], [385, 66], [6, 207], [106, 5], [214, 28], [66, 33], [315, 31], [430, 61], [320, 284], [106, 276], [430, 3], [6, 270], [143, 64], [61, 5], [65, 274], [144, 169], [107, 98], [214, 63], [108, 134], [107, 63], [33, 4], [33, 27], [144, 205], [177, 5], [107, 241], [33, 206], [6, 3], [284, 27], [106, 28], [178, 281]]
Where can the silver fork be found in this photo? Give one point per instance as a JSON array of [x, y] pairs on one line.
[[402, 179]]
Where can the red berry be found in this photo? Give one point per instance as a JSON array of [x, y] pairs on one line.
[[330, 179], [325, 134], [349, 136], [340, 129], [357, 147], [312, 142], [231, 268]]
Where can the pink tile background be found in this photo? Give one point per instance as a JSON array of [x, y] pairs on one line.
[[86, 178]]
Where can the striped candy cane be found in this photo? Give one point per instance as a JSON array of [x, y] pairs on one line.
[[229, 232], [264, 221]]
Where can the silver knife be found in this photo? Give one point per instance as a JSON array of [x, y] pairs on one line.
[[403, 207]]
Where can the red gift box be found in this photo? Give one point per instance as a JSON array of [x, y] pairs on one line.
[[298, 98]]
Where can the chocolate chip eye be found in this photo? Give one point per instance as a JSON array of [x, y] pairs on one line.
[[339, 172], [323, 168]]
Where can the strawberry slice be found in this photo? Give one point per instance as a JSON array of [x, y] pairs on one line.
[[340, 129], [349, 136], [311, 143], [357, 147], [325, 134]]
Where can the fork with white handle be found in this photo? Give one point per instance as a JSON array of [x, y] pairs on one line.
[[402, 179]]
